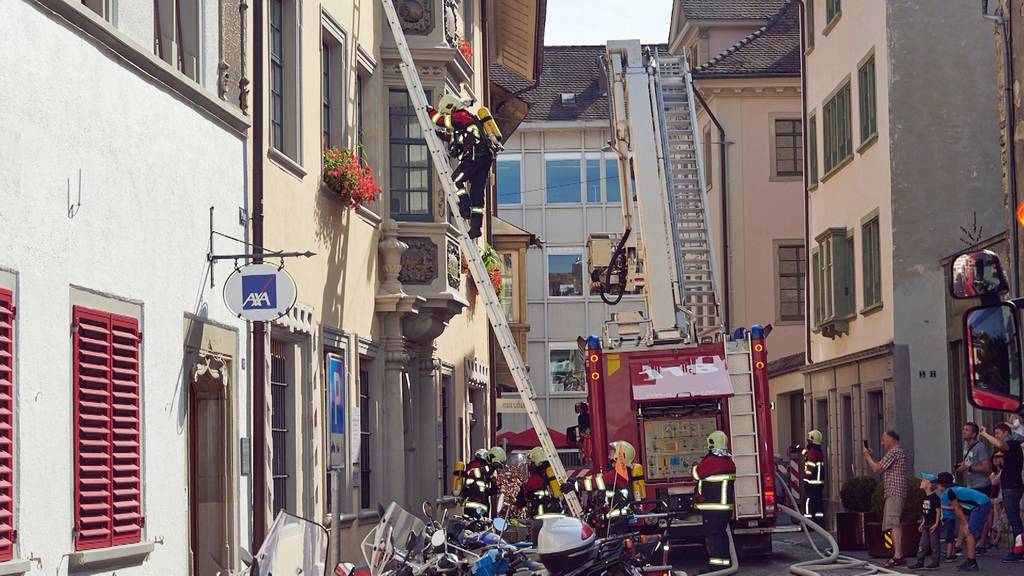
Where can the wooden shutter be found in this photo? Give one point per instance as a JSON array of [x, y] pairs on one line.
[[7, 531], [108, 481]]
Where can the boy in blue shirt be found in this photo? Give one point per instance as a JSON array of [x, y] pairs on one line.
[[972, 508], [949, 535]]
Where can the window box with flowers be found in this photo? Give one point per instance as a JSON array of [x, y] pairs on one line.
[[466, 49], [492, 262], [349, 177]]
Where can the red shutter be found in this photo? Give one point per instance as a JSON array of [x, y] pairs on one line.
[[108, 480], [7, 532]]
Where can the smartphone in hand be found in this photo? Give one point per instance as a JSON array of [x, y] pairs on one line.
[[866, 447]]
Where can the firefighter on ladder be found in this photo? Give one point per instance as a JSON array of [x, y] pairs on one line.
[[477, 484], [611, 494], [813, 482], [472, 140], [715, 499], [541, 493]]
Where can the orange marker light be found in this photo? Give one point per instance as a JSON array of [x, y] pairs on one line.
[[760, 364], [593, 357], [758, 348], [1020, 213]]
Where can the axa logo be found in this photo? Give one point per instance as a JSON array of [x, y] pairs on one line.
[[259, 292]]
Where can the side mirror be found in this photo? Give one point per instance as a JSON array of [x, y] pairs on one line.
[[977, 274], [428, 510], [438, 539], [993, 357]]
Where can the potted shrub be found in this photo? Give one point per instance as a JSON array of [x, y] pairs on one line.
[[492, 262], [909, 517], [855, 495], [349, 177]]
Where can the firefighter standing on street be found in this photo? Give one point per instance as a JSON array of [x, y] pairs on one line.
[[715, 499], [479, 485], [472, 140], [813, 482], [611, 493], [541, 492]]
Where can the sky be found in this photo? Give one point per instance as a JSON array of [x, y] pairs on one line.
[[597, 21]]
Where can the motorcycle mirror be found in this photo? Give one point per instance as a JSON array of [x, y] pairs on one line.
[[501, 502], [428, 510], [438, 539], [499, 524]]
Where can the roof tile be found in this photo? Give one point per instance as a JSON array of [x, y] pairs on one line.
[[730, 9], [772, 50]]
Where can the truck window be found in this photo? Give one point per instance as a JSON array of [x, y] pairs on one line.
[[672, 446]]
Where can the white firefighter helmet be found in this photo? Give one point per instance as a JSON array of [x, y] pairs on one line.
[[537, 456], [814, 437], [717, 441], [496, 455], [628, 452], [481, 454], [449, 103], [565, 543]]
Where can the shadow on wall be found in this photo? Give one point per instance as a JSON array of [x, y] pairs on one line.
[[333, 227]]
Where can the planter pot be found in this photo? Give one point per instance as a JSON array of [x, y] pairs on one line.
[[876, 541], [850, 530]]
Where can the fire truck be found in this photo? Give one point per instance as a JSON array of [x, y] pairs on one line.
[[665, 378]]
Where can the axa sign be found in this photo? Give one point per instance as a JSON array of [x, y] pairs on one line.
[[259, 292]]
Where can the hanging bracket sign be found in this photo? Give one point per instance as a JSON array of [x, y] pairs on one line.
[[259, 292]]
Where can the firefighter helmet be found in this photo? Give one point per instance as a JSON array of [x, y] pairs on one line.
[[481, 454], [814, 437], [449, 103], [496, 455], [717, 441], [628, 452], [537, 456]]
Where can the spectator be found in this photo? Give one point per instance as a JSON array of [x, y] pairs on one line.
[[929, 526], [1010, 484], [999, 523], [975, 467], [950, 536], [894, 470], [972, 509]]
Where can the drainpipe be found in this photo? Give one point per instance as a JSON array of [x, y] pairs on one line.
[[1011, 148], [492, 203], [723, 176], [807, 196], [259, 329]]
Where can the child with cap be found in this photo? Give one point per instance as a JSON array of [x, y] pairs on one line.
[[930, 524], [972, 509]]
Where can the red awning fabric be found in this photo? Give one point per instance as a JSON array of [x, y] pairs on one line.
[[528, 439], [701, 377]]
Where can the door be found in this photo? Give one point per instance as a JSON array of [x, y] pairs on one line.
[[209, 458]]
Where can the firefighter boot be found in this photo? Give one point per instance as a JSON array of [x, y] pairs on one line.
[[476, 222]]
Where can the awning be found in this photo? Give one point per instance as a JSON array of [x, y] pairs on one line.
[[700, 377], [528, 439]]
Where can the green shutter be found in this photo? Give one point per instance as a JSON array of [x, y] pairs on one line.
[[866, 92], [833, 8], [810, 23], [872, 265], [812, 136], [816, 268]]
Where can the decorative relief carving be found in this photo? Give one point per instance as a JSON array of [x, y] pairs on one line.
[[419, 261], [452, 20], [232, 85], [417, 16], [454, 264]]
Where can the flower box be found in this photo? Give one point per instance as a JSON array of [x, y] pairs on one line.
[[348, 177]]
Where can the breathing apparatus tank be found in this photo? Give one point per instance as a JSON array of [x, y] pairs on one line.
[[458, 477]]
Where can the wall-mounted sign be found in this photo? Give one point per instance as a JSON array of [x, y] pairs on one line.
[[336, 410], [259, 292], [510, 405]]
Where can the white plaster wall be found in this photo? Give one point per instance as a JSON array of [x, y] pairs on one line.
[[151, 166]]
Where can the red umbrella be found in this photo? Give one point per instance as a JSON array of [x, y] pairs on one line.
[[528, 439]]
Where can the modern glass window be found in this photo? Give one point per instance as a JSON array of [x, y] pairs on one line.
[[562, 175], [565, 369], [833, 9], [509, 179], [812, 150], [565, 272], [411, 181], [277, 55], [791, 269], [365, 464], [868, 105], [871, 259], [593, 180], [838, 134], [612, 184], [809, 13], [789, 148]]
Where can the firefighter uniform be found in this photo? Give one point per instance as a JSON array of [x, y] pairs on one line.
[[479, 486], [813, 481], [468, 142], [715, 499], [541, 493], [608, 493]]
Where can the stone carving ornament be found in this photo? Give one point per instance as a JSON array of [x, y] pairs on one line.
[[419, 261], [417, 16], [454, 264]]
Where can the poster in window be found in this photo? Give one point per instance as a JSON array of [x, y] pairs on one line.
[[336, 410]]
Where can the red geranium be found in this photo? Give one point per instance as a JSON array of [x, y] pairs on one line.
[[348, 176]]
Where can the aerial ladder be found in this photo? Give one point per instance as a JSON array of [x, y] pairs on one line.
[[495, 311]]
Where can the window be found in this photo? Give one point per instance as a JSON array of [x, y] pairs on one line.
[[176, 25], [791, 269], [838, 135], [562, 173], [446, 421], [866, 92], [365, 465], [871, 262], [875, 420], [565, 272], [108, 429], [594, 180], [7, 527], [509, 179], [821, 420], [325, 95], [411, 179], [279, 401], [332, 87], [819, 305], [833, 10], [566, 369], [788, 148], [809, 14], [359, 113], [834, 280], [508, 285], [284, 95], [812, 149], [706, 145], [101, 7], [611, 177]]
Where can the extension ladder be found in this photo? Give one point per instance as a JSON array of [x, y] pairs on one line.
[[495, 311]]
